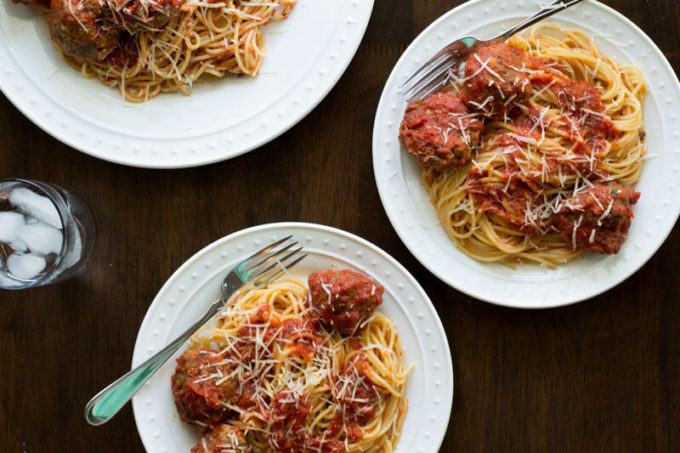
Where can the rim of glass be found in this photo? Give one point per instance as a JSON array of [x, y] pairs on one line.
[[44, 189]]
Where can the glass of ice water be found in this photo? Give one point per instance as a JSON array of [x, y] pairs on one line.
[[46, 233]]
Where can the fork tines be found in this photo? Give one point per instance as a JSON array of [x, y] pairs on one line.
[[434, 75], [270, 262]]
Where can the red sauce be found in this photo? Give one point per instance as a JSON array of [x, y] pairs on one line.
[[495, 81], [509, 202], [287, 418], [343, 298], [584, 113], [302, 332], [198, 398], [598, 218], [516, 199], [440, 130], [222, 439], [123, 56], [304, 335], [355, 392], [289, 434]]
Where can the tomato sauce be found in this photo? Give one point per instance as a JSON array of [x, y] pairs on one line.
[[222, 439], [355, 392], [494, 81], [343, 298], [197, 397], [440, 130], [598, 218], [510, 202], [287, 418]]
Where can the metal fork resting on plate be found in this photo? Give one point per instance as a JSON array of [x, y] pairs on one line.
[[434, 73], [257, 270]]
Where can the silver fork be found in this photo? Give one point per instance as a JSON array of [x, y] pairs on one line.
[[435, 71], [259, 269]]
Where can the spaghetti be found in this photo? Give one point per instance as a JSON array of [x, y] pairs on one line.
[[147, 47], [530, 153], [272, 376]]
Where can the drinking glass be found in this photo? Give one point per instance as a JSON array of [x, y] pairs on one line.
[[46, 233]]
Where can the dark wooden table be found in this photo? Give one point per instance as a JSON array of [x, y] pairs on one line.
[[602, 375]]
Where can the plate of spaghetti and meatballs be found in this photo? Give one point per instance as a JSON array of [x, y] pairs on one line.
[[524, 180], [173, 83], [343, 353], [147, 47]]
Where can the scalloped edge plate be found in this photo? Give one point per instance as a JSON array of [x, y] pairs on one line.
[[413, 217], [189, 291], [307, 55]]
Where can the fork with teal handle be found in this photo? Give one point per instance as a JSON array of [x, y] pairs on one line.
[[258, 270]]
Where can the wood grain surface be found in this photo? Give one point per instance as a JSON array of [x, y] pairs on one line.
[[602, 375]]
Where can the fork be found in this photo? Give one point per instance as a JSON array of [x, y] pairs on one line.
[[452, 55], [257, 270]]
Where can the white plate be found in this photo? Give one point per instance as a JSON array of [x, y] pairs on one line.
[[306, 55], [191, 289], [414, 218]]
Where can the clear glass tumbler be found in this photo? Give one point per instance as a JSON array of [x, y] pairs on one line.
[[46, 233]]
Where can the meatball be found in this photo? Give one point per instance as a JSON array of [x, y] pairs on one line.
[[82, 30], [135, 15], [581, 101], [343, 299], [90, 30], [223, 439], [199, 389], [494, 80], [440, 130], [597, 218]]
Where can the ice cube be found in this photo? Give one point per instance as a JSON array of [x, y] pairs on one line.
[[9, 222], [18, 245], [32, 204], [25, 266], [40, 238], [75, 250]]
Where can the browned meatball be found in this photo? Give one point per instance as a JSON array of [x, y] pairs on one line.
[[222, 439], [89, 30], [597, 218], [343, 298], [494, 80], [82, 29], [199, 388], [440, 130]]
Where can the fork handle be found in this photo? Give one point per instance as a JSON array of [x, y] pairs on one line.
[[549, 10], [109, 401]]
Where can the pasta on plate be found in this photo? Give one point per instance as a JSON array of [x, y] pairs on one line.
[[531, 151], [297, 367], [147, 47]]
